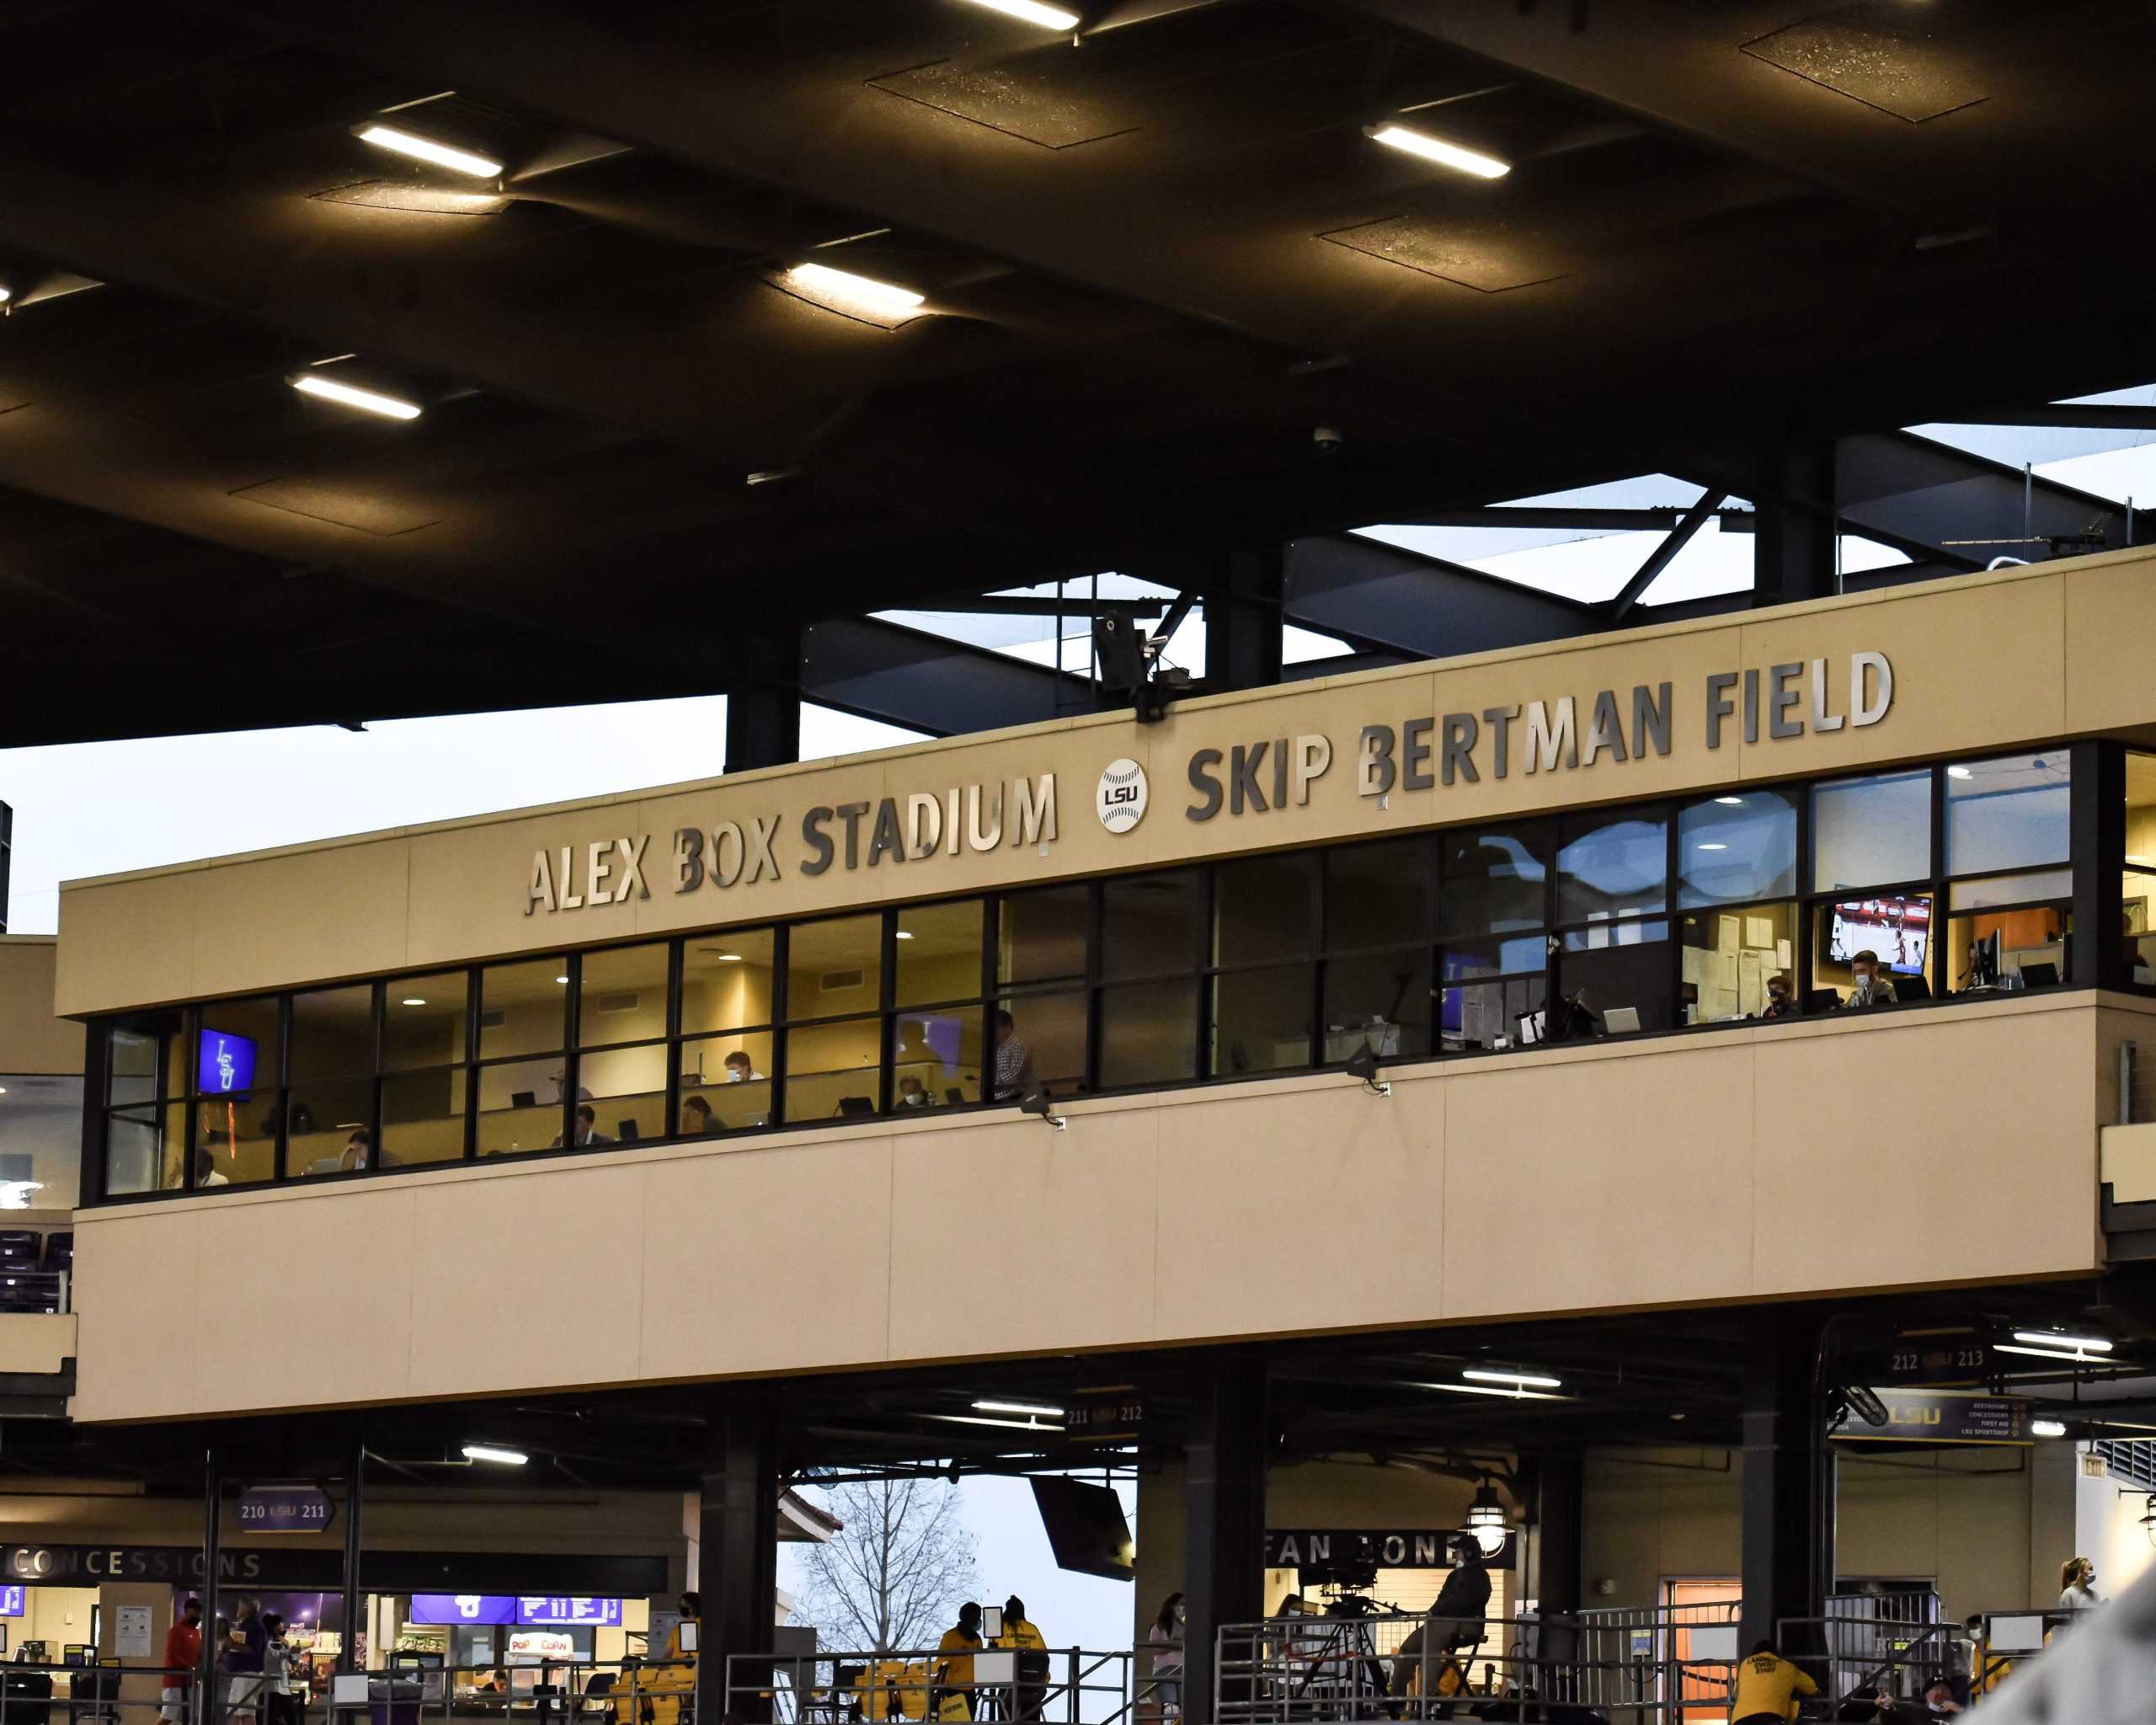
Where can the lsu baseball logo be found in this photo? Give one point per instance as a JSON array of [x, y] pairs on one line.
[[1121, 801]]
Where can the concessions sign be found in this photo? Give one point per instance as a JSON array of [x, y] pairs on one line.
[[1942, 1417]]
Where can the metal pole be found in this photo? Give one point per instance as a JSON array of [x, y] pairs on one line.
[[205, 1674], [348, 1649]]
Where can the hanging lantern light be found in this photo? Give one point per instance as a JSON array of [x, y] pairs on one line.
[[2148, 1518], [1485, 1520]]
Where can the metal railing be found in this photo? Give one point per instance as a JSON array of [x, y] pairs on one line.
[[1622, 1664], [1893, 1642], [1054, 1686]]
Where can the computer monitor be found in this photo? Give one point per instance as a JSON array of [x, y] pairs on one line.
[[1898, 929], [1620, 1021], [2040, 976], [523, 1098], [856, 1105], [625, 1132], [954, 1096], [1821, 999]]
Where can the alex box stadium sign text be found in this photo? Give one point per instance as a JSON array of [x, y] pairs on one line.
[[1422, 754]]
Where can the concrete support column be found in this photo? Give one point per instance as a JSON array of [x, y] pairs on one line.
[[1793, 549], [1224, 1518], [1788, 1514], [1242, 621], [737, 1543], [1556, 1506], [763, 709]]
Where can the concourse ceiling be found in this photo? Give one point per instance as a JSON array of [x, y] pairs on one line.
[[1156, 252]]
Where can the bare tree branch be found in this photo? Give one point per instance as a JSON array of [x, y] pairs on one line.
[[894, 1580]]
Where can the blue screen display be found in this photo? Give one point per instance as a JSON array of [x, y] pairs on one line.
[[224, 1063]]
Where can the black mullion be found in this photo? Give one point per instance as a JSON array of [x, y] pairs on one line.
[[1314, 1043], [378, 1041], [1208, 900], [1801, 947], [1671, 821], [191, 1039], [571, 1060], [670, 1125], [97, 1111], [1095, 933], [472, 1003], [782, 1054], [887, 993], [281, 1087], [1938, 874]]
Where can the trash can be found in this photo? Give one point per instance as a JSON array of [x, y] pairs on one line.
[[393, 1701]]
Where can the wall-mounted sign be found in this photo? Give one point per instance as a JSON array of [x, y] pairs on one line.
[[463, 1608], [131, 1631], [1959, 1358], [1373, 1548], [288, 1509], [532, 1610], [1430, 752], [1097, 1418], [224, 1063], [1121, 797], [1941, 1416], [313, 1568]]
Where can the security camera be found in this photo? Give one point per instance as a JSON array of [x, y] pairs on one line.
[[1327, 438]]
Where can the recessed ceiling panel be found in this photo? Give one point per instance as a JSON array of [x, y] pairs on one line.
[[1892, 60], [341, 505], [1021, 100], [1488, 257]]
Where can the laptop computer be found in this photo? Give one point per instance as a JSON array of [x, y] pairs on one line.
[[523, 1098], [1620, 1021], [625, 1132], [856, 1105], [2043, 976]]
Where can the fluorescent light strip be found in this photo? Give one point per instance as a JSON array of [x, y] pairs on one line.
[[1533, 1380], [367, 400], [1491, 1390], [2047, 1429], [1035, 1408], [495, 1452], [1050, 18], [1453, 156], [401, 142], [1023, 1425], [843, 285], [2054, 1353], [2045, 1338]]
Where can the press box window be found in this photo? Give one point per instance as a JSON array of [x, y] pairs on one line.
[[2009, 812], [1872, 831]]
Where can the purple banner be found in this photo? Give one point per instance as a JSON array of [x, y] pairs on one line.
[[463, 1608], [554, 1612]]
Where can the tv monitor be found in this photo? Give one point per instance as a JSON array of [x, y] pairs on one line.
[[224, 1062], [1086, 1528], [1897, 929]]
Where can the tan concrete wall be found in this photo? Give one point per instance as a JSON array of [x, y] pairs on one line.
[[456, 891], [35, 1341], [1681, 1170], [32, 1039]]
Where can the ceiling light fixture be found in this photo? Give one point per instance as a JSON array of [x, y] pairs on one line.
[[5, 295], [495, 1453], [2048, 1428], [729, 958], [1457, 157], [842, 287], [1493, 1390], [2074, 1357], [905, 934], [1486, 1519], [1023, 1425], [1049, 17], [1039, 1410], [370, 401], [2052, 1338], [1530, 1379], [1714, 847], [1730, 802], [1959, 772], [413, 1000], [561, 979], [398, 141]]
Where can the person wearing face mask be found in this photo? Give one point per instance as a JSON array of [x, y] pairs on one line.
[[1165, 1636], [1872, 988], [2076, 1585], [1781, 999]]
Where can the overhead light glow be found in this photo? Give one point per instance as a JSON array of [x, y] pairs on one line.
[[5, 296], [367, 400], [843, 287], [1730, 802], [563, 980], [413, 1000], [729, 958], [905, 934], [2048, 1428], [1533, 1380], [1036, 1409], [1486, 1519], [1430, 149], [2071, 1357], [1049, 17], [1023, 1425], [410, 143], [495, 1452], [1959, 772], [2047, 1338], [15, 1194], [1714, 847], [1493, 1390]]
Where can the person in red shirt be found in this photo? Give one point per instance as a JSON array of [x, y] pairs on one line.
[[183, 1658]]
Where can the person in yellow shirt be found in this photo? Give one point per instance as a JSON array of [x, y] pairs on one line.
[[954, 1666], [1032, 1648], [1767, 1689]]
